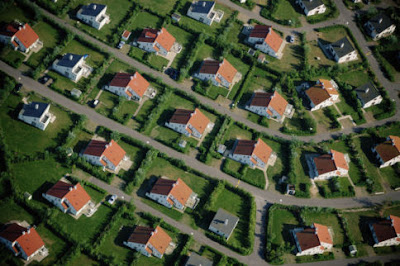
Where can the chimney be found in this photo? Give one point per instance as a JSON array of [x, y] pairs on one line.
[[342, 45], [71, 57], [94, 7], [36, 106], [70, 188], [152, 233], [19, 28], [204, 3], [226, 222], [110, 144], [75, 187], [28, 230], [23, 232], [380, 20], [366, 90], [25, 24]]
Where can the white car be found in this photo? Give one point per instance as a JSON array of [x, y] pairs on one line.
[[120, 44], [112, 199]]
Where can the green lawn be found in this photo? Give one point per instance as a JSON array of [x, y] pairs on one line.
[[10, 11], [143, 113], [127, 109], [26, 139], [291, 59], [85, 228], [38, 176], [80, 141], [96, 195], [54, 244], [328, 219], [107, 102], [357, 222], [64, 84], [233, 133], [393, 129], [281, 221], [141, 21], [10, 56], [162, 7], [50, 37], [392, 176], [119, 66], [259, 80], [84, 260], [355, 78], [95, 58], [12, 211], [326, 190], [348, 109], [114, 10], [285, 11], [184, 38]]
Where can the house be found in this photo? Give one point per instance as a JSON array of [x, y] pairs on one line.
[[36, 114], [223, 223], [106, 154], [67, 197], [173, 193], [72, 66], [324, 93], [149, 241], [379, 26], [21, 37], [312, 240], [23, 241], [368, 95], [386, 232], [156, 41], [312, 7], [130, 86], [125, 35], [271, 105], [197, 260], [388, 152], [266, 40], [255, 153], [190, 123], [329, 165], [221, 74], [94, 15], [342, 51], [203, 11]]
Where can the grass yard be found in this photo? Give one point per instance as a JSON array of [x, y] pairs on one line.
[[96, 195], [26, 139], [143, 20], [162, 7], [127, 109], [285, 11], [233, 34], [143, 113], [136, 154], [54, 244], [355, 78], [328, 219], [84, 229], [119, 66], [80, 141], [280, 222], [327, 189], [185, 39], [114, 10], [390, 130], [291, 59], [12, 211], [107, 102], [213, 91], [235, 132], [301, 171], [95, 58], [348, 109], [50, 37], [392, 176], [11, 11], [37, 177], [357, 223], [84, 260], [239, 65], [316, 56], [260, 80], [64, 84], [10, 56]]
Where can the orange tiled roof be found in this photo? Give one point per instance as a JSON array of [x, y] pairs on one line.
[[181, 191], [114, 153], [396, 223], [323, 233], [262, 151], [160, 240], [273, 40], [251, 147], [25, 33], [396, 141], [389, 149], [199, 121], [165, 39], [126, 34], [273, 100], [339, 160], [227, 71], [75, 194], [328, 86], [136, 82]]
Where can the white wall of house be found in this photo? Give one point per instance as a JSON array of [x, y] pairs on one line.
[[329, 175], [202, 17], [177, 204], [121, 91], [94, 21], [318, 10], [388, 163], [147, 46], [349, 57], [161, 50], [180, 128], [162, 199], [55, 201], [324, 104], [375, 101], [262, 110], [138, 247], [384, 33], [35, 121], [389, 242], [311, 251], [260, 44], [70, 72], [8, 244], [95, 160]]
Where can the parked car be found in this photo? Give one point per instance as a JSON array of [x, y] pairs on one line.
[[112, 199], [172, 73], [120, 44], [95, 103], [44, 79], [18, 87], [291, 38]]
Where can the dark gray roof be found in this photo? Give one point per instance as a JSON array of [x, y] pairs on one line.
[[92, 9], [367, 92], [342, 47], [311, 4], [69, 60], [34, 109], [202, 6], [219, 222], [380, 22], [197, 260]]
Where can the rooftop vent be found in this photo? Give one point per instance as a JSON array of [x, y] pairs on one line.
[[226, 222], [380, 20], [366, 90], [94, 7], [36, 106], [71, 57], [204, 3], [342, 45]]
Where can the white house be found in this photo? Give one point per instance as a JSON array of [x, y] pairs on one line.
[[342, 51], [266, 40], [149, 241], [380, 26], [223, 223], [386, 232], [130, 86], [368, 95], [271, 105], [67, 197], [324, 93], [36, 114], [326, 166], [221, 74], [93, 15], [312, 240], [173, 193], [312, 7], [203, 11], [21, 37], [22, 241], [156, 41], [255, 153], [72, 66], [190, 123], [388, 152], [105, 154]]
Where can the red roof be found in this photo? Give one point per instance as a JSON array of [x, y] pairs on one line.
[[29, 242], [195, 118], [323, 233], [251, 147], [396, 223], [225, 69], [273, 100], [75, 194], [25, 34], [317, 94], [269, 35], [162, 37], [313, 236], [135, 81], [389, 149], [158, 238], [327, 163], [178, 189], [386, 229], [126, 34], [111, 150]]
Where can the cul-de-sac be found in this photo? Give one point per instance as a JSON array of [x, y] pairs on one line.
[[190, 132]]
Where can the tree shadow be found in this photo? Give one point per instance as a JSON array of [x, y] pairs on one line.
[[37, 194], [366, 145], [146, 186], [123, 235]]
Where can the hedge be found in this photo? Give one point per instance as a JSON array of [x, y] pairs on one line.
[[160, 104], [141, 172]]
